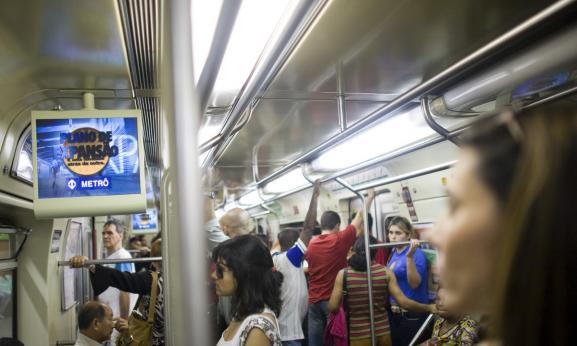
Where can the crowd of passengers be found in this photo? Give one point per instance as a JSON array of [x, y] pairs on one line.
[[505, 259]]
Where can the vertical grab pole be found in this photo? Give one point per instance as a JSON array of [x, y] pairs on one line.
[[422, 329], [367, 254], [185, 261]]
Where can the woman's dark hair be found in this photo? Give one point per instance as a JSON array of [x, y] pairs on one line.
[[358, 260], [258, 284], [370, 217], [530, 162]]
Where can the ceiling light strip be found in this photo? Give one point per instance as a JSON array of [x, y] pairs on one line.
[[440, 80]]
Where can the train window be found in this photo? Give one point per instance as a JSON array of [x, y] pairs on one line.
[[11, 241], [22, 165], [7, 303], [72, 278]]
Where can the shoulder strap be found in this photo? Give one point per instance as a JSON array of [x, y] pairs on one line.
[[345, 300], [153, 293]]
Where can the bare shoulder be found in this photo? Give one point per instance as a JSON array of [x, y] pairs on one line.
[[257, 337]]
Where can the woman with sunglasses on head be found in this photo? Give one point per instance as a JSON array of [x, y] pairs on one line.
[[507, 243], [245, 271]]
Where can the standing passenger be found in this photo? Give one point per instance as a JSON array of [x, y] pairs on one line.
[[120, 302], [294, 287], [233, 223], [245, 272], [383, 283], [326, 255], [409, 265], [508, 239]]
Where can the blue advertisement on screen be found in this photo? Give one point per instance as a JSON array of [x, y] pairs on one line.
[[145, 221], [83, 157]]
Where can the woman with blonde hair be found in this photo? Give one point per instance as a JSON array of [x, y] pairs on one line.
[[409, 264]]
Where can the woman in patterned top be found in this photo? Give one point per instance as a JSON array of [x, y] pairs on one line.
[[451, 330], [383, 283], [245, 271]]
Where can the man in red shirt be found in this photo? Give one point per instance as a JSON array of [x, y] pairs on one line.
[[326, 255]]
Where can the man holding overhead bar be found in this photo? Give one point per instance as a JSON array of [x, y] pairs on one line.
[[326, 256], [289, 261]]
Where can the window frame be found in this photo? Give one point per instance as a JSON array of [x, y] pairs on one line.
[[14, 169]]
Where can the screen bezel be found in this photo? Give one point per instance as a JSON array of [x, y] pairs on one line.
[[90, 205]]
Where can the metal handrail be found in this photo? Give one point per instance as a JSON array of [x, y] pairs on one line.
[[113, 261], [422, 329], [266, 70], [426, 109], [185, 311], [375, 183], [410, 175], [440, 80], [226, 20], [367, 255], [395, 244]]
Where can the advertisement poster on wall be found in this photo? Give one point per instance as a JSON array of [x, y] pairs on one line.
[[145, 222]]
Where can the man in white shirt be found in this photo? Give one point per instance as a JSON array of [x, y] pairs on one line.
[[294, 291], [120, 302], [95, 323], [233, 223]]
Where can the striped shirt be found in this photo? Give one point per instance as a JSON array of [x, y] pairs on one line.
[[358, 302]]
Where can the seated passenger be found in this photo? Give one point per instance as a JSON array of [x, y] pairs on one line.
[[507, 243], [289, 261], [140, 283], [450, 329], [245, 272], [409, 265], [95, 324], [326, 255], [384, 284]]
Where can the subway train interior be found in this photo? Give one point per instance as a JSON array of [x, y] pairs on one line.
[[144, 111]]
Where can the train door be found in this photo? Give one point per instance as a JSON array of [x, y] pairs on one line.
[[87, 250], [76, 288], [11, 241]]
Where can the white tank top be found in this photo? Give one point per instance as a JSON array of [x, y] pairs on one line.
[[236, 339]]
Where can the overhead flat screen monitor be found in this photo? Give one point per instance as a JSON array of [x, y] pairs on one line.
[[145, 222], [88, 162]]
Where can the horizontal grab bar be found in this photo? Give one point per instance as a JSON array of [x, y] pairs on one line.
[[114, 261], [400, 243]]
